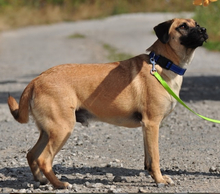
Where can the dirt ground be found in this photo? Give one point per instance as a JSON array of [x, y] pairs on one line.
[[102, 157]]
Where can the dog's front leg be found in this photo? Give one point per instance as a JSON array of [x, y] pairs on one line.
[[151, 149]]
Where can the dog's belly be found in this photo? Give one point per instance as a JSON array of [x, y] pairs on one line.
[[132, 121]]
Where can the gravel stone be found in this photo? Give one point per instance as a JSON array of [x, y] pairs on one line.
[[143, 190], [49, 188], [22, 191], [117, 179], [36, 185], [25, 185], [142, 174], [212, 169], [88, 184], [97, 185], [109, 176], [161, 185]]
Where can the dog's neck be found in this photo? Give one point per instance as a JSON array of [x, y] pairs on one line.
[[181, 59]]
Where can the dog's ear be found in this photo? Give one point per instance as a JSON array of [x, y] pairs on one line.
[[162, 31]]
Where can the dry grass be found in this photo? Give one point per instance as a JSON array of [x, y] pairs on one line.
[[23, 16], [15, 15]]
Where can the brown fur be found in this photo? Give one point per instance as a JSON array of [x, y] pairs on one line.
[[122, 93]]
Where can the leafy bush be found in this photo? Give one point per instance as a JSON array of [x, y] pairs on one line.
[[209, 17]]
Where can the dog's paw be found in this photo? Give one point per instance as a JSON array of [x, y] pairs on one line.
[[69, 186], [63, 185], [166, 181], [66, 185]]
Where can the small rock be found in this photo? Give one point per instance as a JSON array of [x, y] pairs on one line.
[[142, 174], [79, 143], [97, 185], [114, 164], [36, 185], [13, 162], [143, 190], [64, 178], [160, 185], [109, 176], [88, 184], [218, 167], [49, 188], [7, 190], [113, 189], [117, 190], [37, 190], [212, 169], [213, 125], [75, 188], [88, 175], [28, 191], [96, 157], [25, 185], [117, 179], [116, 160], [22, 191]]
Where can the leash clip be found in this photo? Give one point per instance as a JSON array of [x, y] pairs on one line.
[[153, 62]]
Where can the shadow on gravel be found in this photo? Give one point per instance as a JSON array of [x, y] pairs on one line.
[[200, 88], [16, 176], [4, 96], [193, 88], [25, 80]]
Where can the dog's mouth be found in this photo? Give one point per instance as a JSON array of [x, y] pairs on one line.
[[195, 38]]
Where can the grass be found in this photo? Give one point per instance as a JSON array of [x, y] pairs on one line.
[[114, 55], [77, 35], [213, 45]]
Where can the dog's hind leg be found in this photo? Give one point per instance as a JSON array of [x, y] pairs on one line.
[[32, 156], [57, 137], [151, 148], [56, 125]]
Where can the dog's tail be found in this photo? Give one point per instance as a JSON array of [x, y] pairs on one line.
[[21, 112]]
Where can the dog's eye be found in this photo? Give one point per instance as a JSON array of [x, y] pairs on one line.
[[183, 26], [197, 25]]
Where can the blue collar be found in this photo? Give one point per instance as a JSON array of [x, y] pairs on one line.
[[167, 64]]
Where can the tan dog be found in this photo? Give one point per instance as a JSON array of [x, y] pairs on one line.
[[122, 93]]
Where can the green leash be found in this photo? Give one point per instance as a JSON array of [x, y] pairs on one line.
[[165, 85]]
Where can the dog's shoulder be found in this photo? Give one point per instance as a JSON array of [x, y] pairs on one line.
[[136, 60]]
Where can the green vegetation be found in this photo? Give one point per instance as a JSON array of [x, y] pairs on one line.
[[213, 45], [114, 55], [209, 18], [77, 35], [18, 13]]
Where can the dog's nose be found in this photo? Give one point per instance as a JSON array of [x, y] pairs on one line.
[[203, 30]]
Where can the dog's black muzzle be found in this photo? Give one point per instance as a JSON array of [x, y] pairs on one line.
[[195, 37]]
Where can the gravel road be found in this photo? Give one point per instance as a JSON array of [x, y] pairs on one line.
[[102, 157]]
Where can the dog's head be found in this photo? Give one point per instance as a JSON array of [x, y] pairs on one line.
[[186, 32]]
